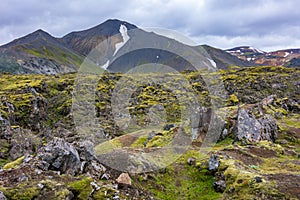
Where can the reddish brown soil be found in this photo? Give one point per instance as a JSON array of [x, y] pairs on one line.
[[246, 158], [287, 183], [262, 152]]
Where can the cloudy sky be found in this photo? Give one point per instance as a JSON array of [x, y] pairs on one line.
[[264, 24]]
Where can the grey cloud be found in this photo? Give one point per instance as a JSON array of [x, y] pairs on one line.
[[239, 22]]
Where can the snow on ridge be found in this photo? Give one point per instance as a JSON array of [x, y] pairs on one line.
[[125, 37], [256, 50]]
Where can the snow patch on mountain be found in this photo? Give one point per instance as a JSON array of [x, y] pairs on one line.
[[286, 54], [105, 66], [213, 63], [256, 50], [125, 36]]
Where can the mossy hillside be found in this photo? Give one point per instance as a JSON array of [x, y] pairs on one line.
[[249, 85], [56, 54], [176, 182]]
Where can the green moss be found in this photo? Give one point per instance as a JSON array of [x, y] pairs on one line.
[[81, 188], [293, 121], [22, 191], [13, 164], [3, 162], [240, 183], [182, 182], [140, 141], [108, 146], [233, 98]]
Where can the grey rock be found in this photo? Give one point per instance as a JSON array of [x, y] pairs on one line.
[[2, 196], [167, 127], [23, 142], [219, 186], [60, 156], [284, 141], [214, 163], [191, 161], [70, 196], [258, 179], [151, 135], [224, 133], [116, 197], [86, 150], [105, 176], [95, 169], [23, 177], [40, 185], [269, 128], [250, 129]]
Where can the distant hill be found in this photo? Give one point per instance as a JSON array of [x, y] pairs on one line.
[[286, 57]]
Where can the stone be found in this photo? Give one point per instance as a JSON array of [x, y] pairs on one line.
[[250, 129], [40, 185], [151, 135], [219, 186], [124, 180], [59, 155], [284, 141], [269, 129], [105, 176], [258, 179], [224, 133], [23, 142], [22, 178], [86, 151], [95, 169], [167, 127], [214, 163], [191, 161], [2, 196]]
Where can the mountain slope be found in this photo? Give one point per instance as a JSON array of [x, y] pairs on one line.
[[286, 57], [84, 41], [224, 59], [39, 52]]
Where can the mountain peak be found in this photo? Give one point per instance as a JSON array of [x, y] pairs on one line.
[[94, 35], [38, 34]]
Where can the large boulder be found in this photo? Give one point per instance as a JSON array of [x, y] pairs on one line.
[[250, 129], [23, 142], [59, 155]]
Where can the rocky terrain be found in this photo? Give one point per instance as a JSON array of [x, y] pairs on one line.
[[45, 156]]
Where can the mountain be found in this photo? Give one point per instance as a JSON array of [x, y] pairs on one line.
[[224, 59], [41, 53], [38, 52], [287, 57], [84, 41]]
